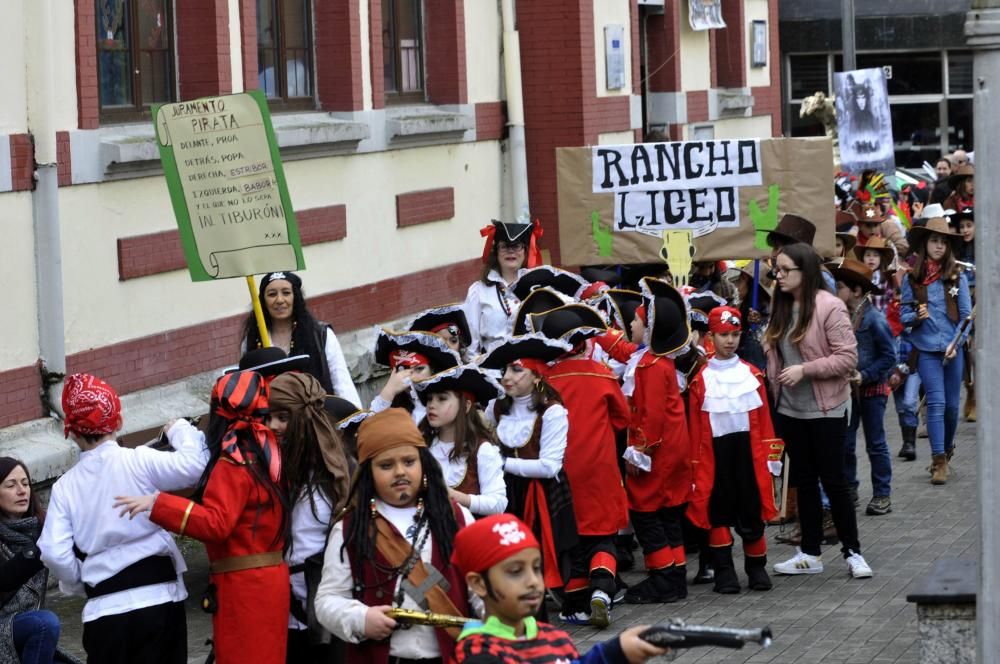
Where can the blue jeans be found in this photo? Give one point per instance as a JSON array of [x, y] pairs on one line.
[[907, 398], [36, 634], [869, 412], [942, 387]]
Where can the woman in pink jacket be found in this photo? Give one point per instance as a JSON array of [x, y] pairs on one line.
[[811, 355]]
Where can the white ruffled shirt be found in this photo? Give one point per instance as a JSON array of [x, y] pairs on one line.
[[514, 431], [492, 497], [488, 321], [730, 394], [309, 533]]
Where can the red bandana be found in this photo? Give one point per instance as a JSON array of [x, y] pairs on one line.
[[486, 542], [593, 290], [933, 271], [640, 313], [724, 319], [407, 359], [538, 366], [91, 406], [241, 398]]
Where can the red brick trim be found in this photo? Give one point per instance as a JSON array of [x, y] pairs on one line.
[[491, 121], [375, 53], [22, 162], [338, 54], [774, 62], [322, 224], [175, 354], [663, 34], [156, 253], [444, 37], [697, 106], [20, 395], [421, 207], [248, 44], [609, 114], [203, 49], [64, 159], [731, 48], [88, 108]]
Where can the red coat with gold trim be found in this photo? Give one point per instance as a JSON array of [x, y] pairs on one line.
[[251, 623], [703, 455], [659, 429], [596, 409]]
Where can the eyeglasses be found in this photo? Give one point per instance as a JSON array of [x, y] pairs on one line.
[[783, 271], [503, 245]]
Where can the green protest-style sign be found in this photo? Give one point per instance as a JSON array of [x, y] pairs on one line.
[[227, 186]]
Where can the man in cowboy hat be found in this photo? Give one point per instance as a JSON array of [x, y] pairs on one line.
[[876, 357]]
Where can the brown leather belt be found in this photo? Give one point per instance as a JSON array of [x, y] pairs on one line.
[[250, 561]]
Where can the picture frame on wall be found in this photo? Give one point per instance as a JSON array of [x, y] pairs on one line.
[[758, 43]]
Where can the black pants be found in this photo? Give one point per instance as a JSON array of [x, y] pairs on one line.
[[816, 450], [153, 635], [301, 651], [660, 529], [735, 499], [578, 599]]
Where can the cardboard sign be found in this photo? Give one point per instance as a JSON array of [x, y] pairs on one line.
[[676, 186], [795, 175], [227, 186]]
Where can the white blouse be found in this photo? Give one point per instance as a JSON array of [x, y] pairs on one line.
[[344, 616], [309, 533], [490, 320], [514, 430], [492, 498]]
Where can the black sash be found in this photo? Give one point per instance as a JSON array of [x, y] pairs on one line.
[[146, 572]]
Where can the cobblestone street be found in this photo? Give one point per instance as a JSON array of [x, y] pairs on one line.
[[828, 617]]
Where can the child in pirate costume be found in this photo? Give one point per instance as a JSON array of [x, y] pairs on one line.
[[411, 357], [240, 512], [458, 439], [531, 427], [490, 304], [130, 570], [734, 452], [596, 409], [501, 561], [658, 468], [392, 548], [317, 475]]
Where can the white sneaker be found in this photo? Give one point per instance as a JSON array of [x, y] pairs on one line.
[[800, 563], [857, 566]]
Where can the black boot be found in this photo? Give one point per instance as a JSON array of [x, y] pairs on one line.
[[756, 569], [626, 559], [678, 581], [726, 581], [657, 588], [705, 572], [908, 451]]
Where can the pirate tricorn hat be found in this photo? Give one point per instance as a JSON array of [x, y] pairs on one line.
[[390, 345], [565, 282], [537, 301], [667, 328], [572, 323], [527, 346], [622, 304], [465, 379], [439, 318]]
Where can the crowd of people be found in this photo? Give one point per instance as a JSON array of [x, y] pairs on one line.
[[521, 444]]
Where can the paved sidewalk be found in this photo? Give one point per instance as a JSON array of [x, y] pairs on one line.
[[828, 617]]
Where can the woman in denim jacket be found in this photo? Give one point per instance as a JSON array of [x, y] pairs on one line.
[[935, 302]]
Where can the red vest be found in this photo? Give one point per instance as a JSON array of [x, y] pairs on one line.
[[367, 583]]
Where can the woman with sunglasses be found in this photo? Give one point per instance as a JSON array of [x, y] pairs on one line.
[[490, 304], [811, 353]]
